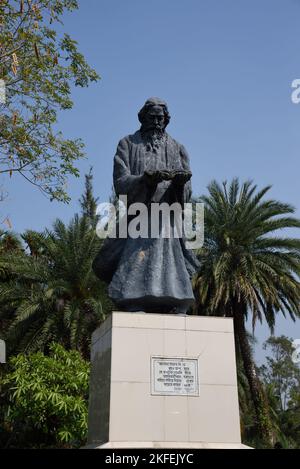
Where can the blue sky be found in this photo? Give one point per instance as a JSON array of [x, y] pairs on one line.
[[224, 67]]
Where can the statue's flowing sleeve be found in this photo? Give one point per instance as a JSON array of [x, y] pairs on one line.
[[191, 261], [126, 183], [186, 192]]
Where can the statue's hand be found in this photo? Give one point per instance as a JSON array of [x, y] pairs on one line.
[[166, 175], [156, 176], [181, 177]]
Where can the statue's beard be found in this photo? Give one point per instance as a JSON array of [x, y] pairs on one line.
[[153, 138]]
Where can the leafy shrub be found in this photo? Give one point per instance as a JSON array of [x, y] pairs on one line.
[[45, 399]]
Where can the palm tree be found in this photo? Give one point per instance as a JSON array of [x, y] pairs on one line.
[[9, 241], [53, 290], [247, 270]]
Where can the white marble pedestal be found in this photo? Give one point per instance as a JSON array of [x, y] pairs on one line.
[[163, 381]]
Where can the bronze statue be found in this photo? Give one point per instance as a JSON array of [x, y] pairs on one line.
[[150, 274]]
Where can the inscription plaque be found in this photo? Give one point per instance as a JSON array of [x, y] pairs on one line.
[[174, 376]]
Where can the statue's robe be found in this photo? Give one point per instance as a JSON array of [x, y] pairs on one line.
[[148, 274]]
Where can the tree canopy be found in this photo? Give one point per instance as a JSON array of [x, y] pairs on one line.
[[38, 67], [281, 377], [246, 268]]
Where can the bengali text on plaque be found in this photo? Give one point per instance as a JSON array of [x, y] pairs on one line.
[[174, 376]]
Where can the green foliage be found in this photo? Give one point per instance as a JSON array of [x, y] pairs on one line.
[[247, 410], [46, 399], [39, 67], [241, 260], [280, 371], [246, 268], [50, 301], [281, 377], [9, 241], [88, 202], [51, 293]]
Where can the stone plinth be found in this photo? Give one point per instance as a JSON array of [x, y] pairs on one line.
[[189, 402]]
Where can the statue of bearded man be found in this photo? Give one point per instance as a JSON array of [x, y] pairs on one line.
[[150, 274]]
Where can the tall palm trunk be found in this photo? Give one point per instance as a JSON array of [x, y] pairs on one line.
[[258, 398]]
